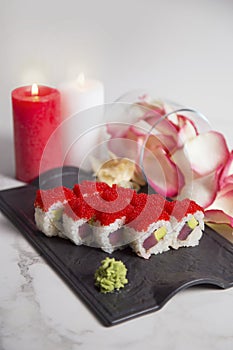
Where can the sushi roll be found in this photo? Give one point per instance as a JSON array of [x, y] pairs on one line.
[[79, 214], [149, 231], [187, 220], [76, 218], [113, 211], [49, 206]]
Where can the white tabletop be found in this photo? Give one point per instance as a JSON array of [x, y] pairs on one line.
[[39, 311]]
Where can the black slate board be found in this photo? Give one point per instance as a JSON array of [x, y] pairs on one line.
[[151, 282]]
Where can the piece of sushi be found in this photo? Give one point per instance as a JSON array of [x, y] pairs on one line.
[[113, 211], [49, 205], [108, 220], [149, 231], [187, 220], [76, 219]]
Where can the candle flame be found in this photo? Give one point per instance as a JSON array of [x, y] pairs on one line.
[[81, 79], [34, 89]]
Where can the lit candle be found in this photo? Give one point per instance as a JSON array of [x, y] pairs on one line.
[[80, 95], [36, 115]]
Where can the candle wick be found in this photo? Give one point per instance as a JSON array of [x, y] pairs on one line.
[[81, 81], [34, 90]]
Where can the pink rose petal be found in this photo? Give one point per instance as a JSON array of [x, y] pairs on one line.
[[168, 142], [161, 172], [185, 121], [226, 180], [152, 108], [187, 130], [227, 171], [228, 187], [202, 190], [224, 200], [162, 126], [207, 152], [117, 130], [153, 117], [218, 217], [126, 140], [221, 210], [179, 127], [142, 128]]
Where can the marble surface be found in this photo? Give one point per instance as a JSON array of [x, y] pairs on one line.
[[38, 311]]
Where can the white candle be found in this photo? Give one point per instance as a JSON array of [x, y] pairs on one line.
[[80, 94], [79, 101]]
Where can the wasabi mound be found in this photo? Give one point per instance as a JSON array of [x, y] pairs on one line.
[[111, 275]]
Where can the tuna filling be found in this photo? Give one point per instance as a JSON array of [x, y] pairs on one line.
[[187, 229], [116, 238], [154, 238], [85, 230]]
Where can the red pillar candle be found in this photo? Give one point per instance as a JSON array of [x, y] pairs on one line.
[[36, 115]]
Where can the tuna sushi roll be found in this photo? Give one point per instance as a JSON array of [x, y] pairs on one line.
[[113, 211], [187, 219], [149, 231], [77, 216], [49, 206]]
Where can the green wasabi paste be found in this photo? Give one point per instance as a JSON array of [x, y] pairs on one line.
[[110, 275]]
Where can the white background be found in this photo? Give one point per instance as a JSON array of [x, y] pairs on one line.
[[181, 50]]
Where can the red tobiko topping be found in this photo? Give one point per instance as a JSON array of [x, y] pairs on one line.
[[90, 187], [179, 209], [109, 194], [115, 192], [111, 200], [138, 202], [77, 209], [169, 206], [152, 211], [139, 199], [106, 218], [126, 193], [46, 198]]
